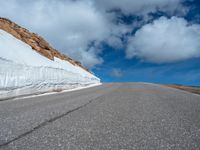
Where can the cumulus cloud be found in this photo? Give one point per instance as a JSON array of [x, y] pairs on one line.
[[78, 27], [70, 26], [165, 41]]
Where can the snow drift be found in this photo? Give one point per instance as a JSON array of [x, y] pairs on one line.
[[23, 71]]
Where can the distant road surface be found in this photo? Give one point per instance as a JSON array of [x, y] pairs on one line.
[[121, 116]]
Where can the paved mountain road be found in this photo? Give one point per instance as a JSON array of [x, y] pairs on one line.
[[122, 116]]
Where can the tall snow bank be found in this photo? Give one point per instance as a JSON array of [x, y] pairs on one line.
[[24, 71]]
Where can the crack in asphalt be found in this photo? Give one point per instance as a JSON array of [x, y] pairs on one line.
[[47, 122], [54, 119]]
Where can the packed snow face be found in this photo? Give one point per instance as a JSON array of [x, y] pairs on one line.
[[24, 71]]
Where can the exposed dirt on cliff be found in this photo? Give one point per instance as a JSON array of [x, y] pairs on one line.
[[35, 41]]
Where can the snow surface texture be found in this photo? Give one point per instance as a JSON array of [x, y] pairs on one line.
[[23, 71]]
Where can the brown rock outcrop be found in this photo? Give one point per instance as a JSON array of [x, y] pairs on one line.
[[35, 41]]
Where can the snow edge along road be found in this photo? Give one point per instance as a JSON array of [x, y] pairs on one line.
[[49, 93]]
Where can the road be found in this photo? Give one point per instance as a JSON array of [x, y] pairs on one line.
[[121, 116]]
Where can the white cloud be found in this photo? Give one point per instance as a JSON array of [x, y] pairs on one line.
[[165, 41], [71, 25], [116, 31], [68, 25]]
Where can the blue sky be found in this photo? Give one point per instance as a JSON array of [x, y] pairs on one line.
[[117, 68], [120, 41]]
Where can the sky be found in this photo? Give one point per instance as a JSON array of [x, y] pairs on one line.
[[119, 40]]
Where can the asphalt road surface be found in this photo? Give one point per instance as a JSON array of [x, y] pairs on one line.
[[108, 117]]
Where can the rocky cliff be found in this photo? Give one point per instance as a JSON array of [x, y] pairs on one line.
[[35, 41]]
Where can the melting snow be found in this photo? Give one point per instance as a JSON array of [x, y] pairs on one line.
[[23, 71]]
